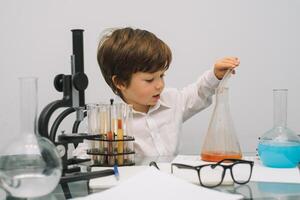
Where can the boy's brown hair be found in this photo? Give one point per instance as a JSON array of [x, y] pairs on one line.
[[126, 51]]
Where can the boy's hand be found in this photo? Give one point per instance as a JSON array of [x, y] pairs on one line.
[[222, 65]]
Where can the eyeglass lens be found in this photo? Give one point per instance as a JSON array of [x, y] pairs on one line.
[[241, 172], [213, 176], [210, 176]]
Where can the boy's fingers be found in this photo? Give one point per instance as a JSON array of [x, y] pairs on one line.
[[232, 60], [237, 61], [224, 66]]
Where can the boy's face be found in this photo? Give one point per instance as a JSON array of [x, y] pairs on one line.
[[144, 90]]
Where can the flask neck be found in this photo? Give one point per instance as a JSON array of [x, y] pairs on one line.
[[28, 105], [280, 107], [222, 95]]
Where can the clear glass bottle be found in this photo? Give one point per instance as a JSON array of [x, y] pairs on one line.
[[280, 146], [30, 166], [221, 141]]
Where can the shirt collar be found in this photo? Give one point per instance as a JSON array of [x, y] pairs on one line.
[[161, 104]]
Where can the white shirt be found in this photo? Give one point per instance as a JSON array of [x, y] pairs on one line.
[[157, 132]]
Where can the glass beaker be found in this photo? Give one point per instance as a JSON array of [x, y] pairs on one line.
[[280, 146], [220, 141], [30, 166]]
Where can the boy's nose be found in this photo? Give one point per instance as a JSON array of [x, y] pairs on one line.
[[160, 85]]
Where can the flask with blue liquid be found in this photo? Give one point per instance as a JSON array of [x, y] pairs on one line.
[[280, 146]]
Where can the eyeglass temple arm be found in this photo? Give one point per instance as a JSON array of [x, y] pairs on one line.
[[153, 163], [181, 166]]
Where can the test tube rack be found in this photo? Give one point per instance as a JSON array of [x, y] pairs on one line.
[[106, 152]]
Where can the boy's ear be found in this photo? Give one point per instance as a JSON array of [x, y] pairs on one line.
[[118, 84]]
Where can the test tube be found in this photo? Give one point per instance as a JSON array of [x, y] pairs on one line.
[[120, 132], [110, 134], [103, 118], [93, 128], [127, 127]]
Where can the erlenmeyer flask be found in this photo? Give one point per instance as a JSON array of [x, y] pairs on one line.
[[280, 146], [220, 141], [30, 166]]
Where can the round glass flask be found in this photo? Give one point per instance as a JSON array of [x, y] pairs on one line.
[[30, 166], [280, 146]]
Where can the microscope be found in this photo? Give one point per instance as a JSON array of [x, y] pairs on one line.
[[72, 86]]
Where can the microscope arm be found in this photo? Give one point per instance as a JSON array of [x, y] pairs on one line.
[[43, 121], [77, 123], [58, 120]]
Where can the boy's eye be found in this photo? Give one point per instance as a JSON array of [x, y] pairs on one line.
[[149, 80]]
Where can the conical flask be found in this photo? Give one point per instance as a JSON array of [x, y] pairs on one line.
[[30, 166], [220, 141], [280, 146]]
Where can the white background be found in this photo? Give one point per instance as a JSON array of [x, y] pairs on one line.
[[35, 40]]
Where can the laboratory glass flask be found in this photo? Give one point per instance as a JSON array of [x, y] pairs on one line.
[[280, 146], [30, 166], [221, 141]]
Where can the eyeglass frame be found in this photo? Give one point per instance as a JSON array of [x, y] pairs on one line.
[[225, 167]]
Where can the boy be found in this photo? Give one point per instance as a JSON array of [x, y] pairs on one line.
[[133, 63]]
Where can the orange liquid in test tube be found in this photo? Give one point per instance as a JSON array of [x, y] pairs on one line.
[[120, 143], [109, 137]]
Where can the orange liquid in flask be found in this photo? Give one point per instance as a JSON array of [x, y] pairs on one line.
[[216, 157]]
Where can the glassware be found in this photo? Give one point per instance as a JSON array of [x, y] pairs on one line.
[[95, 116], [220, 141], [280, 146], [30, 166], [240, 170], [114, 144]]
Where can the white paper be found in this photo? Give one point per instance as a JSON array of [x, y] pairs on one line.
[[125, 172], [151, 184], [129, 171], [110, 181]]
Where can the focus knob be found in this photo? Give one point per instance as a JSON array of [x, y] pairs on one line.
[[58, 82], [80, 81]]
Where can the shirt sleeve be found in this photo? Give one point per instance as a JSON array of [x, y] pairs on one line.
[[198, 96]]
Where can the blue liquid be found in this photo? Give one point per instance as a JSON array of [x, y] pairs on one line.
[[282, 155]]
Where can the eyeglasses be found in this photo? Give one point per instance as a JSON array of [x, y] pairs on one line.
[[240, 170]]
